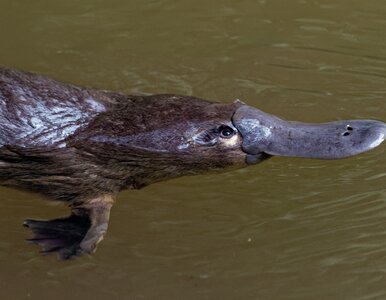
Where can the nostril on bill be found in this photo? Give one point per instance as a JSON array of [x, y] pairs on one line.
[[348, 131]]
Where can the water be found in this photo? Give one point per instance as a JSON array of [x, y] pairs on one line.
[[285, 229]]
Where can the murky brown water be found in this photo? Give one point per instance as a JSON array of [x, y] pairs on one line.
[[286, 229]]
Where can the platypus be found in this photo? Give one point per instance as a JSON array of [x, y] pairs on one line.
[[82, 146]]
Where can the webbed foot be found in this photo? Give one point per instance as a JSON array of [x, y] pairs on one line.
[[74, 235], [62, 236]]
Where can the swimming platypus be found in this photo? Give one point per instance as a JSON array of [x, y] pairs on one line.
[[82, 146]]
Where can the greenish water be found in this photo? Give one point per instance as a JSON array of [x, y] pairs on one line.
[[285, 229]]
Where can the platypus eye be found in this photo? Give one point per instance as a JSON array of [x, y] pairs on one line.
[[226, 131], [210, 137]]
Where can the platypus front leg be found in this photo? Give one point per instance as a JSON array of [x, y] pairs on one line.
[[77, 234]]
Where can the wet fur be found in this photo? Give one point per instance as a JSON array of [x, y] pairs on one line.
[[71, 143]]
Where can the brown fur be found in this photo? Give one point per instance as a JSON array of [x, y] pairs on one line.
[[83, 146], [133, 142]]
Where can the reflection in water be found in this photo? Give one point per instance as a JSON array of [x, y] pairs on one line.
[[286, 229]]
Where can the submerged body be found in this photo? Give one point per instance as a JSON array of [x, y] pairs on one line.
[[83, 146]]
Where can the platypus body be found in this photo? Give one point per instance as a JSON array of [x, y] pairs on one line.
[[82, 146]]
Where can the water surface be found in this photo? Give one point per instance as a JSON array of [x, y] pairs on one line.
[[286, 229]]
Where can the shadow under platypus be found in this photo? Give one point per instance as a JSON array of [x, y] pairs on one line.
[[82, 146]]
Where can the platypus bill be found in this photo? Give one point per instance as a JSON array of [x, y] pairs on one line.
[[82, 146]]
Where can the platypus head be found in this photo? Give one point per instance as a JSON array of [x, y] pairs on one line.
[[163, 136], [217, 136]]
